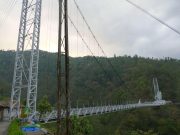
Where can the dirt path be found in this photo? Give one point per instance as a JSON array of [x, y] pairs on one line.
[[3, 127]]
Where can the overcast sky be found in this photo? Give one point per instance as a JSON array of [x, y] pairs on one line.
[[119, 27]]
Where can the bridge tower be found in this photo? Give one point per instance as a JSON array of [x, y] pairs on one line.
[[157, 92], [26, 70]]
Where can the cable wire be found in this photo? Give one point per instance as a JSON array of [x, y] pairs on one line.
[[85, 43], [154, 17], [109, 62]]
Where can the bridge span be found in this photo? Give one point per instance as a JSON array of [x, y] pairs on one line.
[[97, 110]]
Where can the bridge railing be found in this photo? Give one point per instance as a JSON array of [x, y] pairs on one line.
[[89, 111]]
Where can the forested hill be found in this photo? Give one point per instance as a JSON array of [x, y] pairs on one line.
[[90, 82], [90, 85]]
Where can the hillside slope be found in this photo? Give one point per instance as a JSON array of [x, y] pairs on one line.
[[91, 85]]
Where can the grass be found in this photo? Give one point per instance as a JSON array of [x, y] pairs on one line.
[[14, 128]]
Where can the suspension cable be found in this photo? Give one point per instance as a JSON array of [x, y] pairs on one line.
[[89, 28], [85, 43], [154, 17]]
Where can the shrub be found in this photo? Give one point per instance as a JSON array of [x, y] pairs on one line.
[[14, 128]]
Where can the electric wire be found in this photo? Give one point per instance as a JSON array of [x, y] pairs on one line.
[[154, 17], [109, 62], [85, 43]]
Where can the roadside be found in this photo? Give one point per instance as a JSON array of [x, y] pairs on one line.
[[3, 127]]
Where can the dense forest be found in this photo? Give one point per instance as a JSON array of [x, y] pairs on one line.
[[130, 79]]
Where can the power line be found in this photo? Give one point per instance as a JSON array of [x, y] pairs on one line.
[[88, 26], [85, 43], [154, 17]]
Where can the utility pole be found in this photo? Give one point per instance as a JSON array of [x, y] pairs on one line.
[[67, 94], [63, 14], [59, 71]]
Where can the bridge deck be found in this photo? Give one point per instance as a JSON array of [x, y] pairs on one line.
[[89, 111]]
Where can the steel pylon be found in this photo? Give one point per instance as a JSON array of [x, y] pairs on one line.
[[157, 92], [25, 72]]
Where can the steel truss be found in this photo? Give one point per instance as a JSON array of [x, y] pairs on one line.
[[25, 77]]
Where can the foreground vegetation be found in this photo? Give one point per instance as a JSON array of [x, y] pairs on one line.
[[90, 85], [148, 121], [14, 128], [79, 126]]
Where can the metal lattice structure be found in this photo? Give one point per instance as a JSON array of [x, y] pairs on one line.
[[25, 77], [157, 92], [33, 71]]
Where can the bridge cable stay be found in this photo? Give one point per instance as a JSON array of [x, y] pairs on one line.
[[82, 36], [154, 17], [95, 38], [86, 44]]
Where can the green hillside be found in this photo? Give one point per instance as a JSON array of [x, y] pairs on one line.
[[92, 85]]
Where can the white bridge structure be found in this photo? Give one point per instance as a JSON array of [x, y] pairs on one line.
[[26, 71], [103, 109], [97, 110]]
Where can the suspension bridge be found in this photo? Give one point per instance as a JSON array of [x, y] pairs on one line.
[[26, 71]]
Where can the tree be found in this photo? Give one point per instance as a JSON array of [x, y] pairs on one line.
[[44, 106], [80, 126]]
